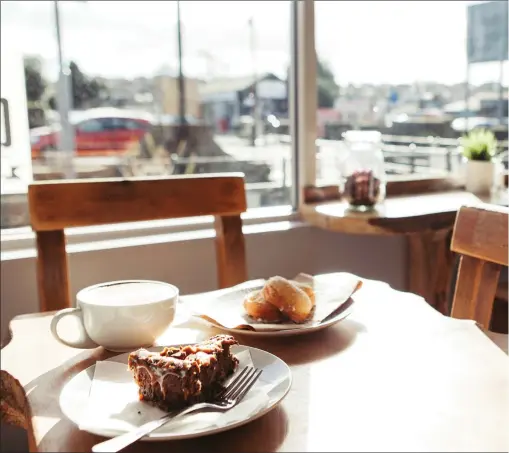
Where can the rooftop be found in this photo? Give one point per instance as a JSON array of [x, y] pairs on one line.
[[229, 84]]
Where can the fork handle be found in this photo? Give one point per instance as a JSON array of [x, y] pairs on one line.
[[120, 442], [124, 440]]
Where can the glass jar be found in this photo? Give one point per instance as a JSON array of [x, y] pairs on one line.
[[361, 167]]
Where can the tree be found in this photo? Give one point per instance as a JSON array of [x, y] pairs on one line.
[[52, 102], [79, 85], [84, 89], [34, 82], [327, 87]]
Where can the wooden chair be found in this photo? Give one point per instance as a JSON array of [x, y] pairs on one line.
[[481, 238], [17, 433], [55, 206]]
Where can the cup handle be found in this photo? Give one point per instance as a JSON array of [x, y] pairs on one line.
[[83, 341]]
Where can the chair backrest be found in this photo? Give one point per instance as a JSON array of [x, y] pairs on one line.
[[64, 204], [480, 237]]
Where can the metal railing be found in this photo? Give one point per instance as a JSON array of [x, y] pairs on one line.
[[403, 155], [417, 152]]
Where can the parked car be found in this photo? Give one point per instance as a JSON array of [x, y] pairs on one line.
[[100, 131]]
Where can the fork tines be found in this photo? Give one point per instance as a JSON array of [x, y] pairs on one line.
[[241, 384]]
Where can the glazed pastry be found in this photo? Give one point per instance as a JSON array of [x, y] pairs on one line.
[[260, 310], [308, 289], [289, 298]]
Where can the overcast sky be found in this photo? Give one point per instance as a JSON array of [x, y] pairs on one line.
[[375, 42]]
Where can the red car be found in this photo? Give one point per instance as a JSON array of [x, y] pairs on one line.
[[100, 131]]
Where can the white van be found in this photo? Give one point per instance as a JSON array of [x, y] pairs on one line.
[[16, 158]]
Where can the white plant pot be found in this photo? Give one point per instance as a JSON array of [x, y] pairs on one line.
[[480, 176]]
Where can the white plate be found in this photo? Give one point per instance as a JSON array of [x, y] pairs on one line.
[[74, 396], [346, 310], [296, 329]]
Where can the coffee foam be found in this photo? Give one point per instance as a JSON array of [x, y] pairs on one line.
[[127, 293]]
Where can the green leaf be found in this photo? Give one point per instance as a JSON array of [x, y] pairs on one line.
[[479, 144]]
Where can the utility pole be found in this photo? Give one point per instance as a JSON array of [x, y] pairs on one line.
[[254, 91], [467, 99], [501, 93], [64, 96], [182, 134]]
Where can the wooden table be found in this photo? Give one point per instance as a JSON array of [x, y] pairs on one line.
[[426, 220], [394, 376]]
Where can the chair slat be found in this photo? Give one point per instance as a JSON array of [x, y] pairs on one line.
[[482, 232], [58, 205]]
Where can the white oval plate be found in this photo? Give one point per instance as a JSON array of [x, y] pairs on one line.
[[74, 396], [295, 329], [292, 332], [231, 299]]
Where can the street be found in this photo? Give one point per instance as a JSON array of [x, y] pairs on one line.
[[270, 150]]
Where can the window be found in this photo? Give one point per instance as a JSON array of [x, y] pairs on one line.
[[119, 73], [225, 74], [91, 126], [400, 67], [127, 124]]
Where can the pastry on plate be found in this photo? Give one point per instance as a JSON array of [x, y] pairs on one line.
[[307, 288], [181, 376], [281, 300], [289, 298], [260, 310]]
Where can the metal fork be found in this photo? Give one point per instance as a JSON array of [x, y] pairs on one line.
[[229, 397]]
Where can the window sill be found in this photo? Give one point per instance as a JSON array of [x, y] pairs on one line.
[[20, 243], [396, 185]]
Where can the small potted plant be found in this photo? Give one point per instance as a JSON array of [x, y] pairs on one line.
[[479, 149]]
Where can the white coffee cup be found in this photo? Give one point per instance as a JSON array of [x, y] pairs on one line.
[[120, 316]]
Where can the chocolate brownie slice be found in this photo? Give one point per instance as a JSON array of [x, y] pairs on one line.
[[180, 376]]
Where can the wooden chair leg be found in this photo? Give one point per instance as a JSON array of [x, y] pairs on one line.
[[230, 251], [52, 272], [479, 285]]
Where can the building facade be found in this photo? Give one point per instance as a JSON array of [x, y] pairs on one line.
[[225, 101]]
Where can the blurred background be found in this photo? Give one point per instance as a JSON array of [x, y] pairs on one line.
[[100, 88]]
